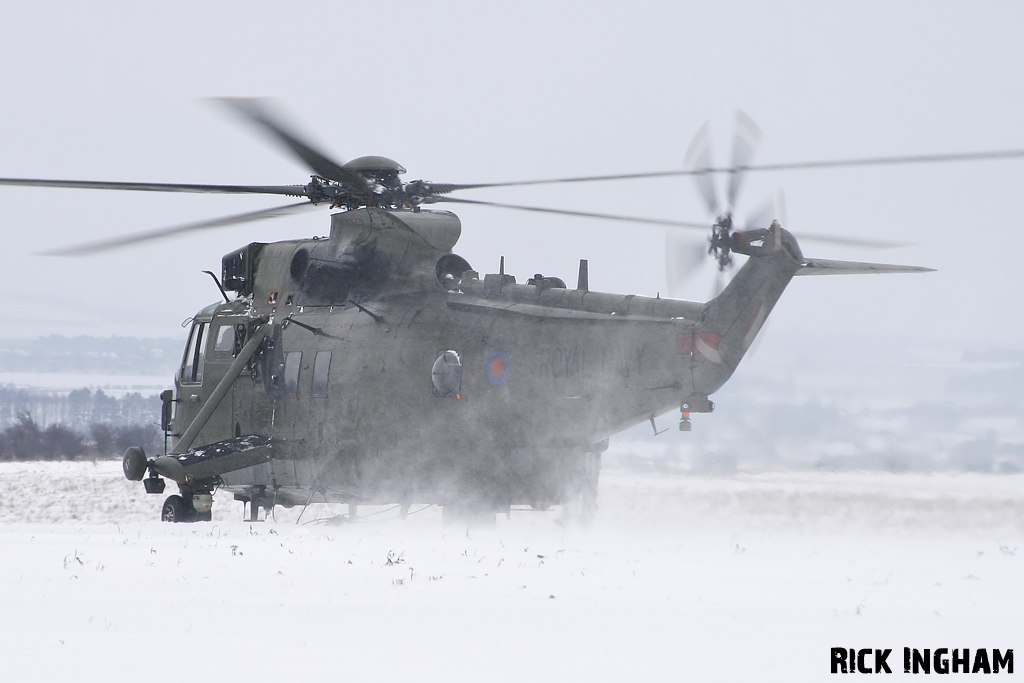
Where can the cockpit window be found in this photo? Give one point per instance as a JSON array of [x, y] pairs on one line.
[[192, 363], [225, 339]]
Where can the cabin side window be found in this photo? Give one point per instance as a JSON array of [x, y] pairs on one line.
[[192, 363], [321, 372], [225, 343], [292, 363]]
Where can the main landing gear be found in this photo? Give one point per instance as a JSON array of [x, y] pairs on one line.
[[195, 503], [197, 507]]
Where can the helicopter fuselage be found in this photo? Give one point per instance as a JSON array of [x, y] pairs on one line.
[[391, 372]]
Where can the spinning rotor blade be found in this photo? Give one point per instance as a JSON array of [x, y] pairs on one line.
[[761, 217], [287, 190], [104, 245], [789, 166], [684, 257], [258, 113], [584, 214], [698, 157], [886, 161], [443, 188], [804, 237], [338, 186], [745, 139], [849, 241], [769, 210]]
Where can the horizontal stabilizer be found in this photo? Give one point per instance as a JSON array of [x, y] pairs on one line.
[[820, 266]]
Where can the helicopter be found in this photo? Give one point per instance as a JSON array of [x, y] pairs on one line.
[[377, 366]]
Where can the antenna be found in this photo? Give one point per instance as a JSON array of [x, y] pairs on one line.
[[584, 279], [219, 286]]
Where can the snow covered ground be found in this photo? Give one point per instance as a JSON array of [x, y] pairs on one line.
[[742, 577]]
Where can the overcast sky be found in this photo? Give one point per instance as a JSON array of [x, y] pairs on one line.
[[474, 92]]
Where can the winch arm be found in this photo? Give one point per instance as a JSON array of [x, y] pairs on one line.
[[212, 403]]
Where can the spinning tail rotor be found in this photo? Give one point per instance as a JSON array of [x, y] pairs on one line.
[[746, 137], [699, 159]]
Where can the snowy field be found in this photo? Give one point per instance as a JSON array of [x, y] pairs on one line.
[[744, 577]]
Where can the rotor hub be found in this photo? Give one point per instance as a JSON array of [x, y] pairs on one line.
[[720, 242], [377, 169]]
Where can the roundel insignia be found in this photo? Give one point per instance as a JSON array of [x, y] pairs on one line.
[[497, 368]]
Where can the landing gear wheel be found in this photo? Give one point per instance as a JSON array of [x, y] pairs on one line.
[[175, 510], [134, 464]]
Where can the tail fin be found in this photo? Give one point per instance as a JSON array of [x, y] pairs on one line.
[[729, 323]]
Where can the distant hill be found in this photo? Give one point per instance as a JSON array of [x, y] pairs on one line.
[[83, 409], [92, 355]]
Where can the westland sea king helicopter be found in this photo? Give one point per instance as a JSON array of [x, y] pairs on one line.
[[376, 366]]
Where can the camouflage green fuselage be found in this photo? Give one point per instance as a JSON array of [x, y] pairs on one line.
[[343, 383]]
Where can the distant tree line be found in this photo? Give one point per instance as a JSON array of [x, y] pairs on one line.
[[27, 440], [78, 409], [81, 423]]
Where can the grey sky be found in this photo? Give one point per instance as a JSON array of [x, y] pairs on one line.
[[473, 92]]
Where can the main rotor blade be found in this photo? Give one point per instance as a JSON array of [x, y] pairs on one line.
[[257, 112], [758, 168], [864, 243], [584, 214], [886, 161], [104, 245], [287, 190], [745, 139]]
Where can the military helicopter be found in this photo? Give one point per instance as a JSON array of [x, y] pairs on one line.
[[376, 366]]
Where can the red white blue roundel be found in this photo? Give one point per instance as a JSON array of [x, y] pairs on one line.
[[497, 368]]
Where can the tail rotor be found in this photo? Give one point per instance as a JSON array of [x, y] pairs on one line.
[[699, 158]]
